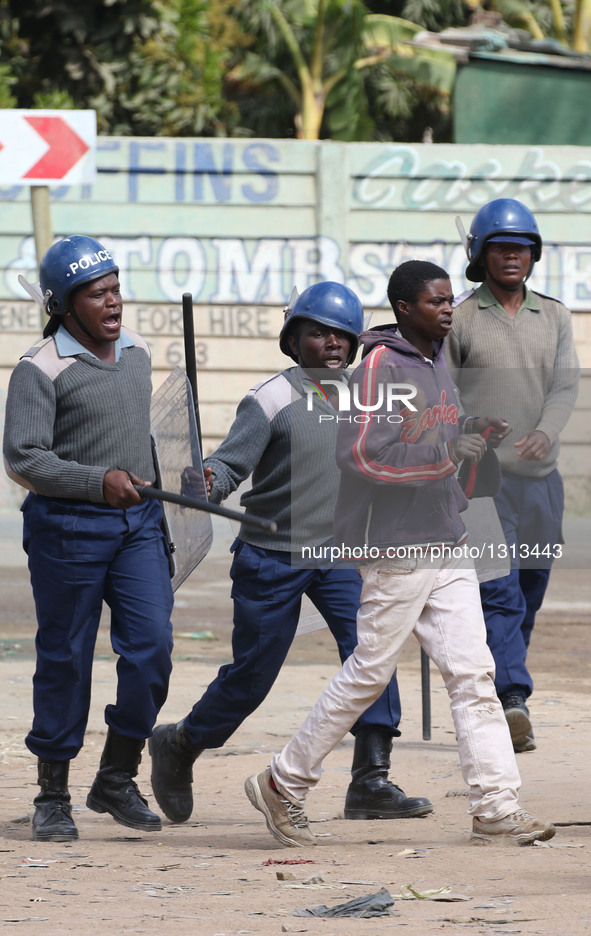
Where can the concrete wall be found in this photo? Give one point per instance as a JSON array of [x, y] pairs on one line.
[[238, 223]]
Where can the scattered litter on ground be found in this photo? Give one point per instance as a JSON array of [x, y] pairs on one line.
[[288, 861], [40, 862], [565, 844], [491, 920], [24, 919], [371, 905], [358, 883], [573, 823], [314, 879], [91, 864], [410, 853], [315, 886], [408, 892]]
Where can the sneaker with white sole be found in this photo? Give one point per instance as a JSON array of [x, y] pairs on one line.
[[286, 820], [519, 827]]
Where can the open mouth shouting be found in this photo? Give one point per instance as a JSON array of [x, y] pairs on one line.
[[334, 359], [112, 322]]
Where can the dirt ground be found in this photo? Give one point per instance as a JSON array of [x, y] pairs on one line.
[[217, 874]]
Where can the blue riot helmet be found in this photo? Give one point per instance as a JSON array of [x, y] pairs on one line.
[[68, 264], [506, 220], [329, 304]]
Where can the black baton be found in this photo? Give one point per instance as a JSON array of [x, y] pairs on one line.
[[190, 357], [426, 695], [198, 504]]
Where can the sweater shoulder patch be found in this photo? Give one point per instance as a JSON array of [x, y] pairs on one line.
[[550, 298], [273, 395], [140, 342], [44, 355], [463, 296]]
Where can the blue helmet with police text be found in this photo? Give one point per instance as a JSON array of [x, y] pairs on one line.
[[328, 303], [68, 264], [506, 220]]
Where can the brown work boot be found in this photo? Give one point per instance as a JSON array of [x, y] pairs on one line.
[[519, 827], [286, 820]]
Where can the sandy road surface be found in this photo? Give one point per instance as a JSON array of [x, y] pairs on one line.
[[210, 876]]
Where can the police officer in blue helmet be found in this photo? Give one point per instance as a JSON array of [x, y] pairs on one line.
[[284, 435], [502, 221], [515, 350], [331, 306], [77, 437]]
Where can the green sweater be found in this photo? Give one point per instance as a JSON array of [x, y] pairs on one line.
[[524, 369], [291, 455], [70, 419]]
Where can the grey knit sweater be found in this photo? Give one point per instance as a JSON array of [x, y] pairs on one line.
[[70, 419], [524, 369], [291, 456]]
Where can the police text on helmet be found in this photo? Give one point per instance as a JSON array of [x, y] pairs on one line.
[[90, 260]]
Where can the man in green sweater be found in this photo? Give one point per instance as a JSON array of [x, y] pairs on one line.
[[289, 449], [517, 357]]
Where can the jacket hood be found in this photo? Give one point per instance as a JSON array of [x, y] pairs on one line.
[[389, 335]]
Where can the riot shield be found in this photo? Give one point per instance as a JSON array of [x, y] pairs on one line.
[[176, 446]]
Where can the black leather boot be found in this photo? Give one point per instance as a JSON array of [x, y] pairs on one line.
[[114, 790], [173, 757], [52, 820], [371, 795]]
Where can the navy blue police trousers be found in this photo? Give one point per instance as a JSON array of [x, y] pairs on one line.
[[82, 554], [267, 594], [530, 511]]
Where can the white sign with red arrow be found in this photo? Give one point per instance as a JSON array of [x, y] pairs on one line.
[[47, 147]]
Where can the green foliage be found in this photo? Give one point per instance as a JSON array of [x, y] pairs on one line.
[[148, 67], [334, 68], [12, 51], [436, 15], [53, 100], [345, 70], [348, 113], [7, 81]]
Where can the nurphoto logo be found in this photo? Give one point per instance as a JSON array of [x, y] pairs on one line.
[[389, 393], [394, 396]]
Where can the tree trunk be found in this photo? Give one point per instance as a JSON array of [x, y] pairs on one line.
[[582, 26], [309, 121]]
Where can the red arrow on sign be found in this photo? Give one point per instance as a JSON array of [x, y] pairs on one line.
[[65, 148]]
